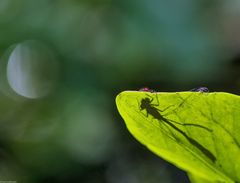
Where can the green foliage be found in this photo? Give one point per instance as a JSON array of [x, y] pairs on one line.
[[197, 132]]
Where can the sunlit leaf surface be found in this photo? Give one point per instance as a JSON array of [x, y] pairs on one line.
[[196, 179], [198, 132]]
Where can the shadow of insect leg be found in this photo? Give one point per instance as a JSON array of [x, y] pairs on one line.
[[191, 124], [151, 98], [160, 110], [185, 124], [158, 103], [173, 111], [139, 106], [177, 106], [171, 135], [165, 108], [183, 100], [146, 115]]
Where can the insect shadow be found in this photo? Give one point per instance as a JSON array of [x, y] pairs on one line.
[[148, 105]]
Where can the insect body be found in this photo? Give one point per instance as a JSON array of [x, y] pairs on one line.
[[200, 89], [146, 104], [146, 89]]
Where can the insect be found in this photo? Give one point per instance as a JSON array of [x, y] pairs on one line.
[[146, 89], [200, 89], [146, 104]]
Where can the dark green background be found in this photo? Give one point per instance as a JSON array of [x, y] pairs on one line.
[[74, 132]]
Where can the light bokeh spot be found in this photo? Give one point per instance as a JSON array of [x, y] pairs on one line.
[[32, 70]]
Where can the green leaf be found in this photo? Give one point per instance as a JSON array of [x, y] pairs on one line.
[[197, 132], [196, 179]]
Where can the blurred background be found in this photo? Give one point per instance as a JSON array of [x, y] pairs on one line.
[[62, 63]]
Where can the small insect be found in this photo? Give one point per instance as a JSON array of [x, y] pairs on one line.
[[146, 104], [146, 89], [200, 89]]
